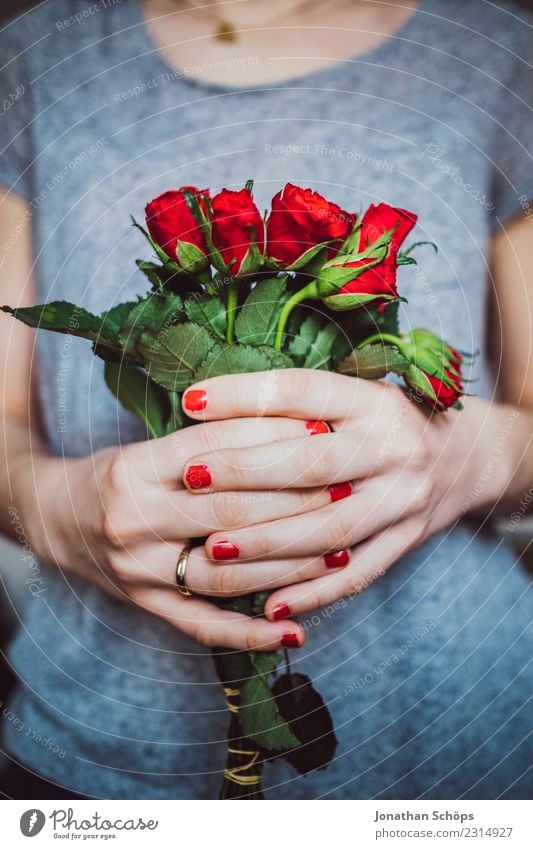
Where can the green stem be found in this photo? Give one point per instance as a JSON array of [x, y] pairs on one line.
[[309, 291], [233, 297], [382, 337]]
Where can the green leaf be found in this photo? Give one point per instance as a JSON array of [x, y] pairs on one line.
[[357, 325], [64, 317], [140, 395], [175, 420], [173, 355], [265, 662], [155, 273], [373, 362], [303, 338], [313, 342], [259, 601], [209, 312], [238, 359], [320, 351], [153, 313], [257, 319], [115, 317], [260, 718]]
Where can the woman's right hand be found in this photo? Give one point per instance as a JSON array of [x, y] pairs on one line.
[[121, 516]]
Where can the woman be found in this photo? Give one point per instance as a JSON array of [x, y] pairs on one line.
[[424, 670]]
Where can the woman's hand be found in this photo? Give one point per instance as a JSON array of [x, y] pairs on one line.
[[121, 516], [393, 474]]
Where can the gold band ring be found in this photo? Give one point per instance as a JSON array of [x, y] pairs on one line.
[[181, 567]]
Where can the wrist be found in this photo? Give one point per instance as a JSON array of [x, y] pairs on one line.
[[40, 496], [497, 435]]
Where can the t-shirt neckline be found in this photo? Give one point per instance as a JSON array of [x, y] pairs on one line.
[[151, 50]]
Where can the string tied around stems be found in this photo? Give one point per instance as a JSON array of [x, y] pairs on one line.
[[238, 774]]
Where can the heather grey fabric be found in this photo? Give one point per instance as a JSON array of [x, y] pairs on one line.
[[426, 671]]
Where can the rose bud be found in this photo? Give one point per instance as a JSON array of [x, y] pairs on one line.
[[173, 226], [430, 351], [431, 367], [301, 224], [435, 373], [368, 273], [238, 231], [437, 393]]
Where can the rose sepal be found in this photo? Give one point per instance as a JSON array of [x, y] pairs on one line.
[[419, 382], [253, 260], [342, 303], [303, 260], [160, 253], [214, 256]]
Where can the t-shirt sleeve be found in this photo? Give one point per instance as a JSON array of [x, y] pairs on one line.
[[511, 152], [16, 154]]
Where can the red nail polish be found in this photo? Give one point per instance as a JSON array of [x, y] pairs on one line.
[[281, 611], [195, 400], [290, 641], [225, 550], [337, 559], [340, 490], [198, 477], [317, 427]]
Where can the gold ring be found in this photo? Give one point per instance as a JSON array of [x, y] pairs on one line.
[[181, 567]]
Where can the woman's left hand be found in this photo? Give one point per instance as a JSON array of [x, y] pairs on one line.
[[395, 473]]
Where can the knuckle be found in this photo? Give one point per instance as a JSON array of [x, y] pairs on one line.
[[230, 470], [122, 573], [116, 478], [251, 641], [317, 469], [302, 571], [338, 532], [311, 601], [293, 386], [355, 586], [109, 530], [417, 535], [421, 454], [204, 635], [117, 522], [225, 580], [261, 546], [421, 493], [227, 510]]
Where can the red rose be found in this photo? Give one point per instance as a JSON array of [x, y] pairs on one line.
[[237, 229], [446, 394], [376, 284], [439, 394], [302, 220], [455, 356], [170, 220]]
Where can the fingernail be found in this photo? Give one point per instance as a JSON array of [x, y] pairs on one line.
[[337, 559], [290, 641], [317, 427], [281, 611], [225, 550], [198, 477], [340, 490], [195, 400]]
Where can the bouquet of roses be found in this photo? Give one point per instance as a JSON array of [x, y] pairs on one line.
[[306, 285]]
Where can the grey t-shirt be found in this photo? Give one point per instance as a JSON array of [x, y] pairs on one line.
[[426, 671]]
